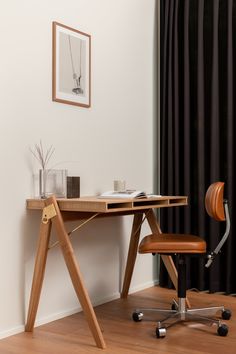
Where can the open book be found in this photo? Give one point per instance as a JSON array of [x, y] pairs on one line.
[[124, 194]]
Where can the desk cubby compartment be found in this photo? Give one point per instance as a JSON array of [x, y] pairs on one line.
[[111, 206], [178, 201], [140, 202]]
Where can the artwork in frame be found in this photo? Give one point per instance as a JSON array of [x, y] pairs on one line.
[[71, 66]]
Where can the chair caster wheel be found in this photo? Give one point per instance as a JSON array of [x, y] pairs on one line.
[[226, 314], [223, 330], [174, 306], [137, 316], [160, 332]]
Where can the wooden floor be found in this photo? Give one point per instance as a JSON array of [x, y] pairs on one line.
[[123, 336]]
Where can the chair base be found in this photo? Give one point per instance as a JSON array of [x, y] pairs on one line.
[[180, 313]]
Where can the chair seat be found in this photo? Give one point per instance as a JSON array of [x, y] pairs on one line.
[[172, 243]]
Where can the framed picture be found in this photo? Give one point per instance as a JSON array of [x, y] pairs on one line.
[[71, 66]]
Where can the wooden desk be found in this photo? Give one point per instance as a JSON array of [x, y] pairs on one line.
[[57, 211]]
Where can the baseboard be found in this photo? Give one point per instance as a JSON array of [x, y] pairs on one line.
[[72, 311], [95, 302], [12, 331], [59, 315], [143, 286]]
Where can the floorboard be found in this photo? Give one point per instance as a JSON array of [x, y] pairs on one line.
[[71, 335]]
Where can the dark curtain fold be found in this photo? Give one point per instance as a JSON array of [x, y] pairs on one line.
[[198, 88]]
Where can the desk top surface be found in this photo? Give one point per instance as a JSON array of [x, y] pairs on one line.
[[101, 205]]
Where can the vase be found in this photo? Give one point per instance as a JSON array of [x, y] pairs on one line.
[[42, 183], [52, 182]]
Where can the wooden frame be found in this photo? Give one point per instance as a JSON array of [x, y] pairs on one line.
[[71, 66]]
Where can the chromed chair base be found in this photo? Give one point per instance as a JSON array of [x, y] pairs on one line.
[[180, 313]]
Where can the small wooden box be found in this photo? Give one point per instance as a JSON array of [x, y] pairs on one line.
[[73, 187]]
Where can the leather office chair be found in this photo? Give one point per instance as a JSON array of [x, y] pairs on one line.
[[184, 245]]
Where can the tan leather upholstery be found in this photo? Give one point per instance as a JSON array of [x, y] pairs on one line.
[[172, 243], [185, 243], [214, 201]]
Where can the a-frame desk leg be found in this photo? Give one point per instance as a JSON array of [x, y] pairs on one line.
[[167, 260], [132, 253], [133, 248], [75, 274], [39, 270]]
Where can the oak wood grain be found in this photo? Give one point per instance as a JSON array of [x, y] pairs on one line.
[[71, 335]]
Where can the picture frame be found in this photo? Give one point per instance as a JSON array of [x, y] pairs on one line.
[[71, 66]]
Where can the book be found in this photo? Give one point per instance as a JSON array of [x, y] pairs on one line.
[[124, 194]]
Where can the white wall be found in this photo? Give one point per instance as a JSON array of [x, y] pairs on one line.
[[111, 140]]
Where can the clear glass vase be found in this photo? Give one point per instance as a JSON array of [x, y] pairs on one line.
[[42, 183], [52, 182]]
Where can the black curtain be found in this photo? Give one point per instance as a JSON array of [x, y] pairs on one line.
[[198, 128]]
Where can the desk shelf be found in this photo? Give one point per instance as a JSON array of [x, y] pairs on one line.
[[93, 204]]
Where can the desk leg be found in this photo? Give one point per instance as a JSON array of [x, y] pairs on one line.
[[39, 270], [167, 260], [132, 254], [75, 274]]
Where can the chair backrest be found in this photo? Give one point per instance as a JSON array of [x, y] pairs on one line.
[[214, 201]]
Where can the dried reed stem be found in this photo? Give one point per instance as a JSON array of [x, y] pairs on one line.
[[42, 156]]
